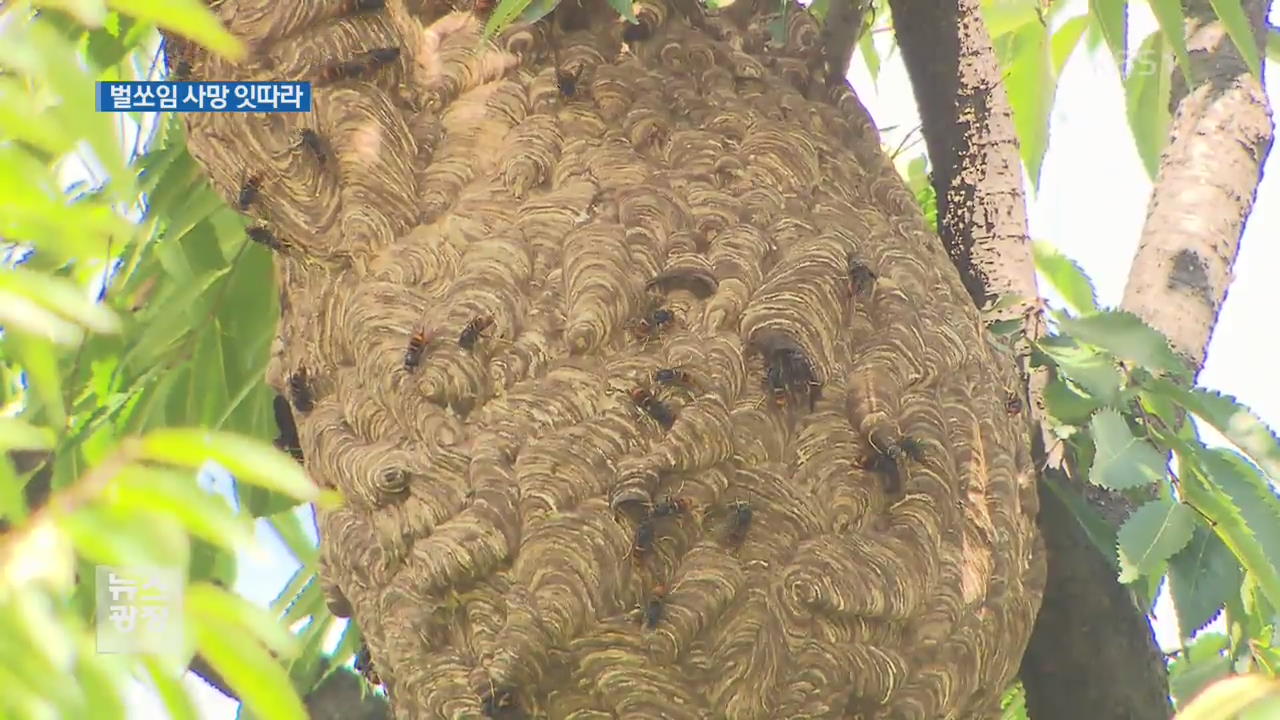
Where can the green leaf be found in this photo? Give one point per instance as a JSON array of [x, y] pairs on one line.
[[218, 606], [1127, 337], [192, 209], [503, 14], [1201, 578], [150, 410], [176, 494], [212, 564], [1066, 40], [626, 10], [1006, 301], [177, 405], [250, 388], [168, 179], [218, 621], [537, 10], [29, 621], [20, 698], [1147, 90], [1066, 277], [40, 363], [209, 401], [188, 18], [174, 316], [62, 297], [1165, 410], [1031, 84], [20, 121], [102, 684], [1003, 17], [25, 314], [305, 669], [1098, 530], [1110, 17], [68, 80], [1201, 664], [867, 48], [308, 603], [1231, 13], [1235, 421], [108, 46], [1237, 698], [85, 12], [13, 502], [248, 315], [16, 433], [348, 645], [1151, 535], [261, 502], [1005, 328], [1265, 708], [1251, 492], [249, 460], [110, 535], [1240, 505], [1173, 27], [289, 527], [1095, 372], [1122, 461], [1013, 704], [1273, 44], [302, 578], [1068, 406], [170, 691]]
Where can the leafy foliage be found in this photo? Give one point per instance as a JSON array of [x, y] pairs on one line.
[[1147, 90], [1121, 401], [1066, 277], [1024, 48], [1121, 461], [1199, 664], [1151, 535], [137, 322], [1202, 577]]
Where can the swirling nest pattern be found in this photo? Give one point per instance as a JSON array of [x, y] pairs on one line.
[[487, 545]]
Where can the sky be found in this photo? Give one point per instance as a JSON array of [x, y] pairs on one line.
[[1091, 205]]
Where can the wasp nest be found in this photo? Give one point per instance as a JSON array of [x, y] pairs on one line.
[[649, 391]]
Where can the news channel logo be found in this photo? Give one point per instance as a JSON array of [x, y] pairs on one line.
[[138, 609], [203, 97]]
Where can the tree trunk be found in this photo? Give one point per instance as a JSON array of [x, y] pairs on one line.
[[1220, 135], [828, 513], [968, 129]]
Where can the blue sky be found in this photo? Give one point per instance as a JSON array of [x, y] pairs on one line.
[[1092, 205]]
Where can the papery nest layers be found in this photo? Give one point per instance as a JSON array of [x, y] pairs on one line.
[[649, 391]]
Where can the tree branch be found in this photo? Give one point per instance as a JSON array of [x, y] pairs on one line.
[[1220, 135], [982, 217], [968, 129]]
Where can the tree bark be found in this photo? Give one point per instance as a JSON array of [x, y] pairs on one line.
[[1088, 632], [973, 148], [822, 511], [1220, 136]]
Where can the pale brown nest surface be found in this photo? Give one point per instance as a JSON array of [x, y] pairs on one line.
[[493, 547]]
